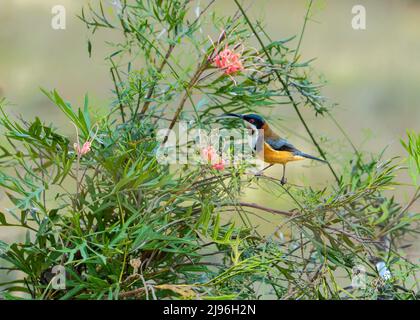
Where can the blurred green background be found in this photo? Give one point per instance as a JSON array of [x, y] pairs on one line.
[[373, 74]]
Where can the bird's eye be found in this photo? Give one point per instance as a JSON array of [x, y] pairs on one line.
[[251, 120]]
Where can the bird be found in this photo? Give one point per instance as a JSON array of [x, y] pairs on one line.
[[271, 147]]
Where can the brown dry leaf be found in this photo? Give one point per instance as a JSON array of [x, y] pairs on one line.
[[185, 291]]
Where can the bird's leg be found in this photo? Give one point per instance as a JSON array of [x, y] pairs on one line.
[[283, 180], [261, 172]]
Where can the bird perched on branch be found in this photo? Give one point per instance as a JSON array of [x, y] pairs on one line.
[[268, 145]]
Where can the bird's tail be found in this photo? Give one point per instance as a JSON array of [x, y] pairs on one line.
[[308, 156]]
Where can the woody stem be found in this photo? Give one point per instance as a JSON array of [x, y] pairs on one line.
[[191, 84]]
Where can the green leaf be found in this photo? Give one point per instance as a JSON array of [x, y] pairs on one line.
[[385, 214]]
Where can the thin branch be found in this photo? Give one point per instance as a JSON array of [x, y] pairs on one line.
[[118, 94], [308, 11], [190, 85], [270, 210]]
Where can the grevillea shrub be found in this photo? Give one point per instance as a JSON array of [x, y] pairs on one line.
[[106, 219]]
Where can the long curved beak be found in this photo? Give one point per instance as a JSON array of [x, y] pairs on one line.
[[230, 116]]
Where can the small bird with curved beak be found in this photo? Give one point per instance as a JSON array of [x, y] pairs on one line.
[[269, 146]]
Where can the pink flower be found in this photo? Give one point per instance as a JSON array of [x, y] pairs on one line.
[[83, 150], [209, 154], [229, 61], [219, 166]]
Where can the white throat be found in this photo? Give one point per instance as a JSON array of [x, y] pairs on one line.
[[254, 136]]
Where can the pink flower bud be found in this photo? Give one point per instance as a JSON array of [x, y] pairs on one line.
[[76, 147], [83, 150], [220, 166]]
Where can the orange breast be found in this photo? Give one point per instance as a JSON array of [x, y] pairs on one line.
[[273, 156]]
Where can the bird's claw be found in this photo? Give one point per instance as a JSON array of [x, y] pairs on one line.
[[283, 181]]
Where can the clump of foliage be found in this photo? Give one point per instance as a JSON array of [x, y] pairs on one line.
[[123, 225]]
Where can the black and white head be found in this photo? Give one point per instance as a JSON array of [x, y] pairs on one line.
[[253, 121]]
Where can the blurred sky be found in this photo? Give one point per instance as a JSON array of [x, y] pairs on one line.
[[373, 74]]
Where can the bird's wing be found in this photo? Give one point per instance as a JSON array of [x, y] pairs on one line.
[[280, 144]]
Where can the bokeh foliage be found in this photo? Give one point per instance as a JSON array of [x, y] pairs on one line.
[[132, 227]]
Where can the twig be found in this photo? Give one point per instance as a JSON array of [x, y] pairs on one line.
[[271, 210], [132, 293], [159, 70], [308, 11], [118, 94], [190, 85]]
